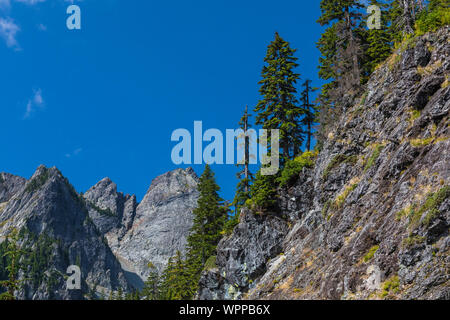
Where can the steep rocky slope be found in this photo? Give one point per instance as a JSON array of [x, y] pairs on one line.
[[106, 233], [9, 185], [371, 220], [56, 232]]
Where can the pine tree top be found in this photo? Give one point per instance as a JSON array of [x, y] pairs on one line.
[[333, 10]]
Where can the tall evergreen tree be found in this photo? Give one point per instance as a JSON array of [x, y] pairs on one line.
[[339, 64], [403, 14], [408, 16], [327, 45], [278, 107], [395, 29], [309, 110], [343, 17], [209, 219], [152, 285], [244, 175], [12, 254], [166, 287], [379, 41], [177, 280]]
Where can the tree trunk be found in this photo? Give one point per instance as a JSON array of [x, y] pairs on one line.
[[246, 150], [353, 48], [407, 18], [308, 142]]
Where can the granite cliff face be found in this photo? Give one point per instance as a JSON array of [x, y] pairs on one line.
[[371, 220], [151, 231], [106, 233], [9, 185]]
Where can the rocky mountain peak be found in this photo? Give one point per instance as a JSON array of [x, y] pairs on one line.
[[104, 194], [152, 230], [39, 170], [160, 226], [56, 229], [169, 185]]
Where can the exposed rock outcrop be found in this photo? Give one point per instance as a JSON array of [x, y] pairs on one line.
[[9, 185], [104, 232], [56, 232], [109, 209], [151, 231], [371, 220], [244, 255]]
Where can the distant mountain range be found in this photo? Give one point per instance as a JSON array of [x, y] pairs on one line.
[[108, 234]]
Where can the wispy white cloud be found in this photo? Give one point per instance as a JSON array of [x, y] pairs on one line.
[[74, 153], [34, 103], [8, 28], [8, 31]]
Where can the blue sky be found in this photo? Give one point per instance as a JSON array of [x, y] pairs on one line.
[[104, 100]]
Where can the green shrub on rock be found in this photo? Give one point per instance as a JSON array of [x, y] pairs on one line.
[[210, 263], [294, 167], [432, 19]]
